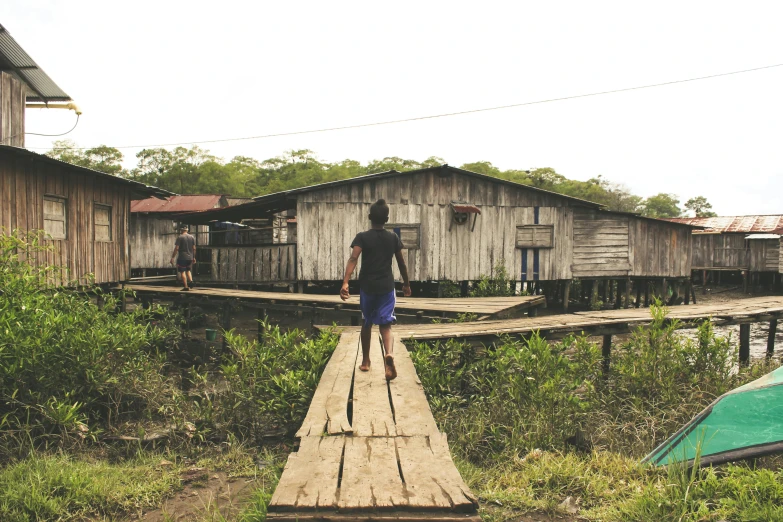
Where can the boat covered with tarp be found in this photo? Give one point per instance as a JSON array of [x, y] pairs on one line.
[[743, 423]]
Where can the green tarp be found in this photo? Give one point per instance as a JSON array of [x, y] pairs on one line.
[[746, 422]]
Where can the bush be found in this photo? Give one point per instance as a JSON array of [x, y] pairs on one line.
[[497, 284], [268, 386], [65, 363]]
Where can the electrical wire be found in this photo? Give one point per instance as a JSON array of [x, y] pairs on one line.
[[448, 114], [55, 135]]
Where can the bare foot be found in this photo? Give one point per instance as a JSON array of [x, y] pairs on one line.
[[365, 366], [391, 371]]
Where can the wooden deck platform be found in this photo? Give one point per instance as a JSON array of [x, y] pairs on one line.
[[370, 449], [484, 307], [603, 322]]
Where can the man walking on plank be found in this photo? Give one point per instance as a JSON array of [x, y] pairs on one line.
[[185, 254], [376, 282]]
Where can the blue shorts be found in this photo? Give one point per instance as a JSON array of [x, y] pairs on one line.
[[183, 265], [377, 308]]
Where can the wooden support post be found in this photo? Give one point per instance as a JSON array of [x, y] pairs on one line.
[[646, 294], [261, 319], [639, 285], [532, 311], [291, 288], [618, 298], [566, 295], [300, 287], [744, 349], [463, 288], [606, 352], [299, 313], [627, 289], [440, 290], [688, 285], [123, 300], [703, 283], [664, 291], [606, 292], [312, 318], [744, 281], [594, 294], [773, 327], [693, 294]]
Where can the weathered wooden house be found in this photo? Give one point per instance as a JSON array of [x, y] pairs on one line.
[[85, 213], [153, 229], [457, 225], [735, 244]]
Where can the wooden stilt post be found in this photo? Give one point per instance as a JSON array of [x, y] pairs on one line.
[[604, 292], [123, 300], [627, 293], [606, 352], [744, 349], [703, 283], [618, 298], [664, 291], [300, 287], [646, 294], [566, 295], [693, 294], [312, 318], [773, 327], [463, 288], [639, 293], [688, 285], [594, 294], [261, 318], [440, 290]]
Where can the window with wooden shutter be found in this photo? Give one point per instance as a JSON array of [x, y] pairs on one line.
[[55, 217], [102, 215], [535, 236], [409, 234]]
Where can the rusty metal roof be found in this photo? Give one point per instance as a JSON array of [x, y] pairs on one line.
[[184, 203], [734, 224], [466, 208], [17, 62]]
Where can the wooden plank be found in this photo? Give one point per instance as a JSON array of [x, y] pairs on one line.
[[371, 477], [310, 477], [431, 479], [329, 408], [372, 413], [412, 415]]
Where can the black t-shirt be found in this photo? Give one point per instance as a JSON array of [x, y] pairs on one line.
[[185, 242], [378, 248]]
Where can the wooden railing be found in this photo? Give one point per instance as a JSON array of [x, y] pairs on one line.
[[252, 264]]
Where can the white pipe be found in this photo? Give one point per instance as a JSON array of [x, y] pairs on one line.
[[71, 106]]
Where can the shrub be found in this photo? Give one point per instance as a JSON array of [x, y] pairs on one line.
[[497, 284], [65, 363]]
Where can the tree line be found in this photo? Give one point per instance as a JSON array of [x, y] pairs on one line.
[[194, 170]]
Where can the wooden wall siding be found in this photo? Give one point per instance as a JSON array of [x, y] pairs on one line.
[[720, 251], [764, 255], [328, 220], [601, 245], [658, 249], [23, 184], [12, 107], [780, 256], [253, 264]]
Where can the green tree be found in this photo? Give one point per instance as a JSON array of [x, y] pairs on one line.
[[700, 207], [662, 206], [101, 158]]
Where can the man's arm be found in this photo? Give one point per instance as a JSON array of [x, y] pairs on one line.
[[194, 253], [406, 283], [174, 254], [349, 268]]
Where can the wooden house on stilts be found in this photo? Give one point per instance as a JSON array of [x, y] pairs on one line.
[[457, 225], [84, 213]]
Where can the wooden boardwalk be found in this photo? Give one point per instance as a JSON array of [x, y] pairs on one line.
[[484, 307], [370, 449], [602, 322]]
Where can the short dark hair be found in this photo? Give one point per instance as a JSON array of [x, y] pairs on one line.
[[379, 212]]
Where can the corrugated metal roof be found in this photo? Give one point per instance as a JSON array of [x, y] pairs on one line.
[[16, 61], [138, 190], [763, 236], [738, 224], [185, 203]]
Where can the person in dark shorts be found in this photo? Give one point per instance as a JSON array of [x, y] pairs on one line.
[[185, 255], [376, 282]]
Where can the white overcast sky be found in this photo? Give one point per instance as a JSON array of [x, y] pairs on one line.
[[153, 72]]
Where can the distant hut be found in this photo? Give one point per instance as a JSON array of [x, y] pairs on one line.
[[458, 225], [153, 230], [85, 213], [736, 245]]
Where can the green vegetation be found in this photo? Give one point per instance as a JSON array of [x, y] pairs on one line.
[[99, 417], [194, 170], [532, 423]]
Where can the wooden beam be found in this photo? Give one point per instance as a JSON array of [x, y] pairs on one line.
[[606, 352], [566, 295], [773, 326], [744, 349]]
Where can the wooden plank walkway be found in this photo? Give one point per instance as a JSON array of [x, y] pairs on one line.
[[602, 322], [481, 306], [370, 449]]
